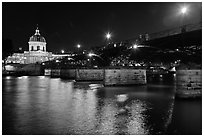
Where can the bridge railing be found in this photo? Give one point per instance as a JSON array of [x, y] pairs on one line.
[[174, 31], [170, 32], [192, 27]]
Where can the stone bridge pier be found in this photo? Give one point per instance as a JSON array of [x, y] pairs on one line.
[[189, 81]]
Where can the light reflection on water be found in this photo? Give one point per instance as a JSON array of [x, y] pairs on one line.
[[41, 105]]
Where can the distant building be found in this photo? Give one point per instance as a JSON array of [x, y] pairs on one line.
[[37, 51]]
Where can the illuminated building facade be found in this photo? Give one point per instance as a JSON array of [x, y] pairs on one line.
[[37, 51]]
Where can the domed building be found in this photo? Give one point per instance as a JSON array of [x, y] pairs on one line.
[[37, 42], [37, 51]]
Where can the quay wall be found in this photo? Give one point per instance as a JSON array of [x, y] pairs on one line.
[[47, 72], [68, 73], [32, 70], [24, 70], [55, 73], [110, 77], [89, 74], [189, 83], [114, 77]]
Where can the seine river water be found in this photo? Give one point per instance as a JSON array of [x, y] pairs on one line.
[[43, 105]]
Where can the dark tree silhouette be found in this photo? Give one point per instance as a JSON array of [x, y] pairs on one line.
[[7, 48]]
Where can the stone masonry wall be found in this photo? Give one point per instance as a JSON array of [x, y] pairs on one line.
[[124, 77], [89, 74], [55, 73], [47, 72], [68, 73], [189, 83]]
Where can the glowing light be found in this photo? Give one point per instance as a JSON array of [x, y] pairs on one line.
[[41, 77], [24, 77], [173, 69], [62, 51], [114, 45], [108, 35], [183, 10], [91, 54], [135, 46], [10, 68], [8, 77], [122, 97], [70, 58], [78, 46]]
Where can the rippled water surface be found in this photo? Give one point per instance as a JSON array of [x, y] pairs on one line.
[[42, 105]]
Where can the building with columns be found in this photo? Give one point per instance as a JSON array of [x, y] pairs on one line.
[[37, 42], [37, 51]]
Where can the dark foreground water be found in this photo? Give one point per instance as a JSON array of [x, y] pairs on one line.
[[41, 105]]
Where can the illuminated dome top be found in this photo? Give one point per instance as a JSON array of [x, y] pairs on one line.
[[37, 37]]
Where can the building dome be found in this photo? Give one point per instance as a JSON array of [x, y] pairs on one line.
[[37, 37]]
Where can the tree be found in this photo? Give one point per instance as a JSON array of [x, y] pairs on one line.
[[7, 48]]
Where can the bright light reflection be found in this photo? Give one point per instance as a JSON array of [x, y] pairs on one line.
[[137, 124], [41, 77], [122, 97]]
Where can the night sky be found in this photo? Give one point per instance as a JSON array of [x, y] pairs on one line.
[[64, 25]]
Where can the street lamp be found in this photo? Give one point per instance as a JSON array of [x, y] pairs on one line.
[[183, 10], [135, 46], [78, 46], [62, 51], [108, 36]]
